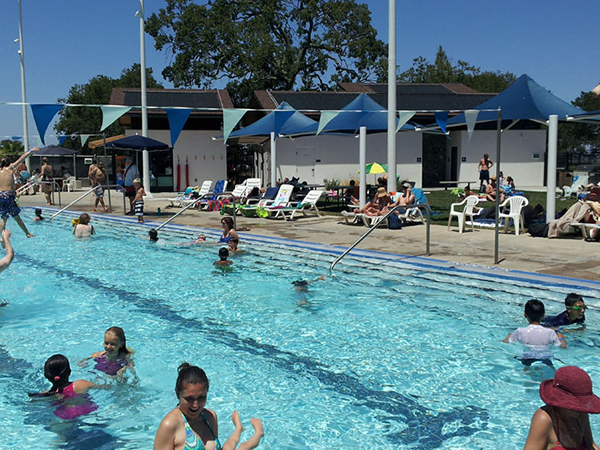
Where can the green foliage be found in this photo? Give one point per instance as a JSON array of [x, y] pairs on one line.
[[97, 92], [579, 137], [268, 44], [11, 148], [330, 183], [442, 71]]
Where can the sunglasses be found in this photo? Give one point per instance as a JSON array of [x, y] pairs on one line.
[[578, 308]]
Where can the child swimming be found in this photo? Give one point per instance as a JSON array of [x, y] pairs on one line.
[[115, 359], [38, 215], [57, 370], [223, 261]]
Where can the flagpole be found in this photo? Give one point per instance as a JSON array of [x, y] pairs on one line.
[[391, 132], [145, 155]]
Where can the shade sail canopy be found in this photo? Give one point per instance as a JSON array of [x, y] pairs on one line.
[[138, 143], [284, 120], [54, 150], [593, 116], [360, 112], [522, 100]]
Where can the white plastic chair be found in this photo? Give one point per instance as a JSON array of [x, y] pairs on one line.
[[470, 202], [69, 184], [515, 204]]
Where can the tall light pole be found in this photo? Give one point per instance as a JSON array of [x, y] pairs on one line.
[[145, 156], [24, 97]]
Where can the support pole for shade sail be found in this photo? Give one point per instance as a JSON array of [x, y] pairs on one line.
[[391, 132], [551, 175], [273, 160], [145, 155], [362, 164], [23, 94], [498, 187]]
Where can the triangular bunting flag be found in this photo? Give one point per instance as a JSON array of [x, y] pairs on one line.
[[441, 117], [231, 117], [405, 116], [84, 138], [112, 113], [177, 119], [62, 139], [43, 115], [326, 117], [471, 119]]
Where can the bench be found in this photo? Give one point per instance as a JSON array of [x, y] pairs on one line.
[[448, 183]]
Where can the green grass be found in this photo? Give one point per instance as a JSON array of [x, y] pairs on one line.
[[440, 202]]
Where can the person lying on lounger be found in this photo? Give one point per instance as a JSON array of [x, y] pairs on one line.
[[378, 207]]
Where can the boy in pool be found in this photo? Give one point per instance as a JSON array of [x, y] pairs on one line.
[[302, 285], [536, 337], [38, 215], [223, 261], [574, 314]]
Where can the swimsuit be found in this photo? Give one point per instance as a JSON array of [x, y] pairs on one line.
[[110, 366], [99, 190], [224, 240], [73, 405], [583, 446], [8, 204], [192, 440], [139, 207]]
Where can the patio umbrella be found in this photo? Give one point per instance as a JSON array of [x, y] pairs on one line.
[[55, 150], [375, 168]]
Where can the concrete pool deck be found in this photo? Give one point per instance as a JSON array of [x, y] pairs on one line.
[[564, 257]]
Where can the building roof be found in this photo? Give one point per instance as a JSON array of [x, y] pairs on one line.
[[414, 97], [190, 98]]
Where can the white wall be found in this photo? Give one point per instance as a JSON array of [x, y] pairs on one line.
[[517, 146], [207, 159], [315, 158]]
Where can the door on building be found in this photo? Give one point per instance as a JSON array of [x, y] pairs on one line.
[[305, 164], [434, 160]]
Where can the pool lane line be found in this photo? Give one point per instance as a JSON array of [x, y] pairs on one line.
[[424, 426], [472, 270]]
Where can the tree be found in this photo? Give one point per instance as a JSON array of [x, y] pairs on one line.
[[10, 148], [580, 138], [268, 44], [97, 91], [442, 71]]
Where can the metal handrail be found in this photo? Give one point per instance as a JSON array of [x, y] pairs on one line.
[[194, 204], [107, 187], [72, 203], [30, 183], [428, 234]]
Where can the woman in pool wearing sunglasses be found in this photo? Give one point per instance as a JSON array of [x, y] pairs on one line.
[[190, 426], [230, 236]]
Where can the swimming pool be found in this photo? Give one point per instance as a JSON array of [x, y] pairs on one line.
[[383, 354]]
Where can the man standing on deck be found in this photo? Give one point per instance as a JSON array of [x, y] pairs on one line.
[[129, 175], [8, 196], [484, 170], [99, 178]]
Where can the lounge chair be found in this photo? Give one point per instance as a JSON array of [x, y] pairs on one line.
[[181, 196], [308, 203], [469, 204], [281, 201], [415, 214], [204, 189], [586, 229], [207, 203], [249, 210], [352, 218]]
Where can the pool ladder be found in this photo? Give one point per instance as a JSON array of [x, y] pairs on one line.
[[428, 234]]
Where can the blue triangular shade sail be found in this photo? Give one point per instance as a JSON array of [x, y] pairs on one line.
[[360, 112], [441, 117], [522, 100], [177, 119], [43, 115], [283, 120], [138, 143], [62, 139]]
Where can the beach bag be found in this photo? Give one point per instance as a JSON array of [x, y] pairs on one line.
[[538, 229], [394, 222]]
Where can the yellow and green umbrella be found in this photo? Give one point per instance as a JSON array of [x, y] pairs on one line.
[[375, 168]]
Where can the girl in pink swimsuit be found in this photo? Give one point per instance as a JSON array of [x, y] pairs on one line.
[[71, 398], [115, 359]]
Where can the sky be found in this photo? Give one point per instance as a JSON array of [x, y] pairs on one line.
[[68, 42]]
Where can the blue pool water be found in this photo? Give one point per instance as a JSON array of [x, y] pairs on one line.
[[383, 354]]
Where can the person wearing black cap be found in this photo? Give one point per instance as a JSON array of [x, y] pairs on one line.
[[563, 423]]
